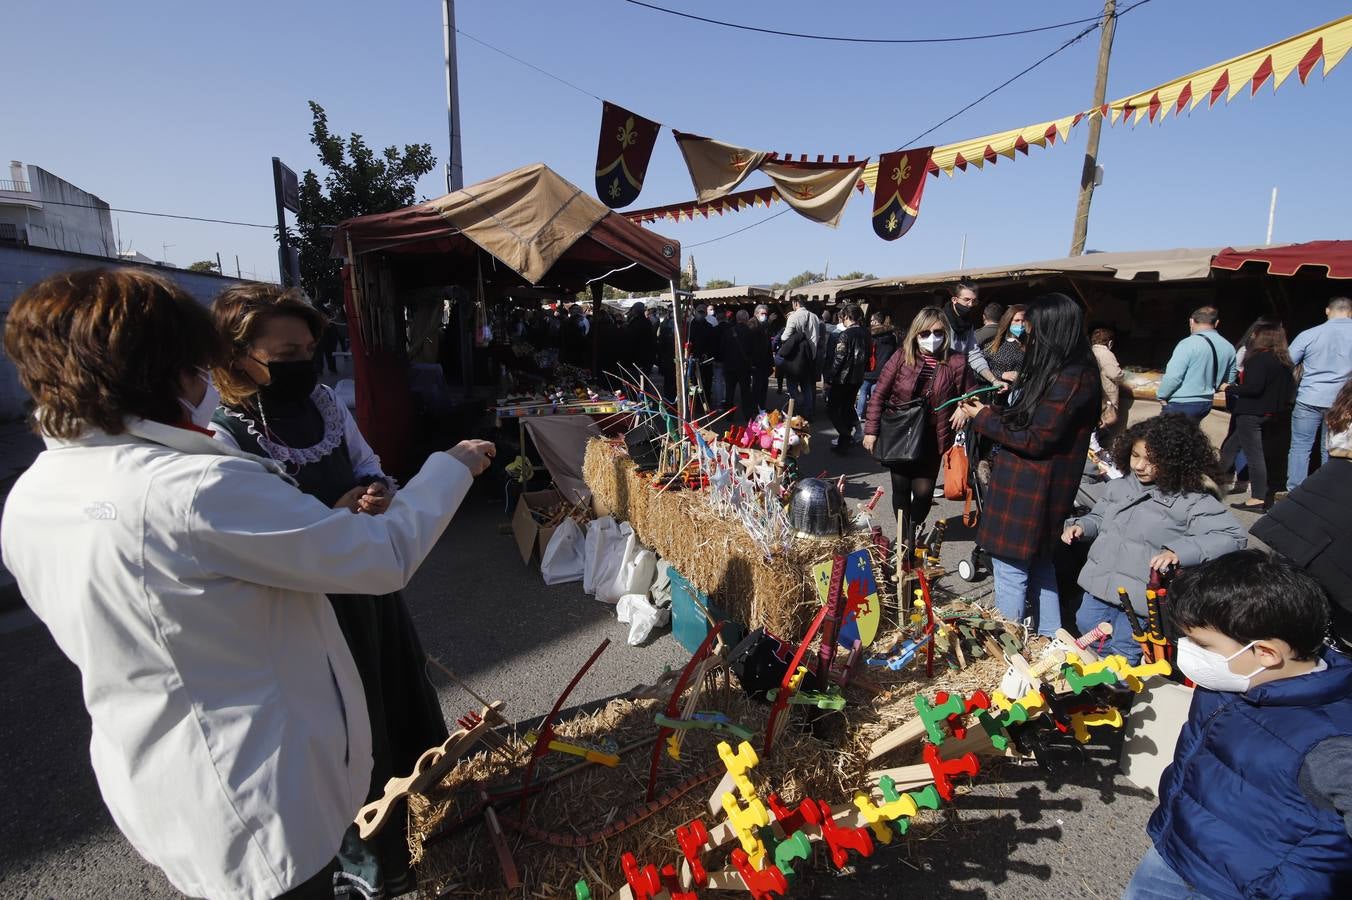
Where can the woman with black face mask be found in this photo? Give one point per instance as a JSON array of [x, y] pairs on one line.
[[274, 406]]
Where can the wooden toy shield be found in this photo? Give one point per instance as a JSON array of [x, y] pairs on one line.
[[863, 612]]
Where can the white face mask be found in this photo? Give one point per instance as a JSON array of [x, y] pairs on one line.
[[1209, 669], [930, 344], [763, 317], [711, 319], [201, 413]]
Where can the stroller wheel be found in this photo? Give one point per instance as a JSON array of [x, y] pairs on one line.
[[967, 568]]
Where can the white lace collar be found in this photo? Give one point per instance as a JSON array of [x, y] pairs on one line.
[[334, 431]]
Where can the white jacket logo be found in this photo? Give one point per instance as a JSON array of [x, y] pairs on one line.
[[102, 511]]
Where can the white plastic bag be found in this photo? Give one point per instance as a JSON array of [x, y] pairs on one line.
[[600, 532], [636, 573], [564, 555], [661, 589], [641, 616], [637, 568], [606, 560]]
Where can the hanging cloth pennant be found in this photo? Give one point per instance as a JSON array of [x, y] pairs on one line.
[[716, 168], [900, 185], [622, 154], [687, 211], [817, 190]]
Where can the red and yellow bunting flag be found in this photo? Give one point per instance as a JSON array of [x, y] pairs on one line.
[[622, 154], [679, 212], [820, 190], [990, 147], [901, 184], [1301, 53], [1267, 65]]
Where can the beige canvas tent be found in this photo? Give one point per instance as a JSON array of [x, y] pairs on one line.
[[525, 229]]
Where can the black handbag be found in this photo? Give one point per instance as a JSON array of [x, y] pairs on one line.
[[901, 432]]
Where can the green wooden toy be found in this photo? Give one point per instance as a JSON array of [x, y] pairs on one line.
[[935, 716]]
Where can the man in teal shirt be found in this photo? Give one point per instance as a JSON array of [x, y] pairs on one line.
[[1324, 354], [1202, 362]]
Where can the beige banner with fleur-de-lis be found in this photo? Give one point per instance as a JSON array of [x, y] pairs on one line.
[[818, 191], [716, 168]]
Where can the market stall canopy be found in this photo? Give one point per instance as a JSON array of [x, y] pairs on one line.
[[728, 296], [1334, 257], [541, 226], [1143, 265], [822, 291]]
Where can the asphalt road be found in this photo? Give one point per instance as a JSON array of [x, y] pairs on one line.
[[1025, 834]]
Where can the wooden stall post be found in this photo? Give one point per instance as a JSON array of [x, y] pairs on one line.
[[682, 378], [597, 295]]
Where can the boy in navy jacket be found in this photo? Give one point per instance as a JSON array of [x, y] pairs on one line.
[[1258, 800]]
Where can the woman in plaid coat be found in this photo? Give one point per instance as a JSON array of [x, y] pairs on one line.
[[1044, 440]]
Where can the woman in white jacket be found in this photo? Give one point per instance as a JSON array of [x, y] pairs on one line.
[[186, 580]]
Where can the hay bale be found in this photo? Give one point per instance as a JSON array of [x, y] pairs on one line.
[[829, 763], [713, 553]]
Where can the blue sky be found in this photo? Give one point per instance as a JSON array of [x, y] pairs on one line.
[[178, 107]]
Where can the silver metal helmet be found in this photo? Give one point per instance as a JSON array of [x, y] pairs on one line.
[[816, 509]]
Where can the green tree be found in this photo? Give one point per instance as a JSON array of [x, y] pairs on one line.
[[205, 265], [356, 182], [803, 278], [855, 275], [607, 293], [719, 283]]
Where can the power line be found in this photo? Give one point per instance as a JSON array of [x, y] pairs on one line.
[[860, 40], [739, 230], [159, 215], [999, 87], [528, 64], [1097, 24]]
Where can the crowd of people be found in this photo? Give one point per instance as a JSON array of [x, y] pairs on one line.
[[1258, 801], [211, 540]]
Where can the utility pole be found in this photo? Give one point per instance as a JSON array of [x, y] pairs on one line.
[[1095, 126], [455, 180], [455, 169], [1272, 216], [219, 270]]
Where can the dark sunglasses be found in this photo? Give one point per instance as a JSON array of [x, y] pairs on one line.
[[937, 332]]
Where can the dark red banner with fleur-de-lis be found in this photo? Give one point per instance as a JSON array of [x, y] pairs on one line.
[[901, 183], [622, 154]]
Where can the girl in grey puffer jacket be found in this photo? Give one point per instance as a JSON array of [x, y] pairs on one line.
[[1161, 515]]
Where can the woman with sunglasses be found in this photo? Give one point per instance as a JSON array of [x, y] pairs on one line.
[[1044, 440], [923, 366]]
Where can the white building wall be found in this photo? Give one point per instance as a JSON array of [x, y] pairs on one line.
[[22, 267], [70, 219]]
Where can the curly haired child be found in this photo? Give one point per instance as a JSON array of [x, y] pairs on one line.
[[1161, 514]]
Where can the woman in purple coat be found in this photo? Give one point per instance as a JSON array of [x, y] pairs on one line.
[[923, 366]]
